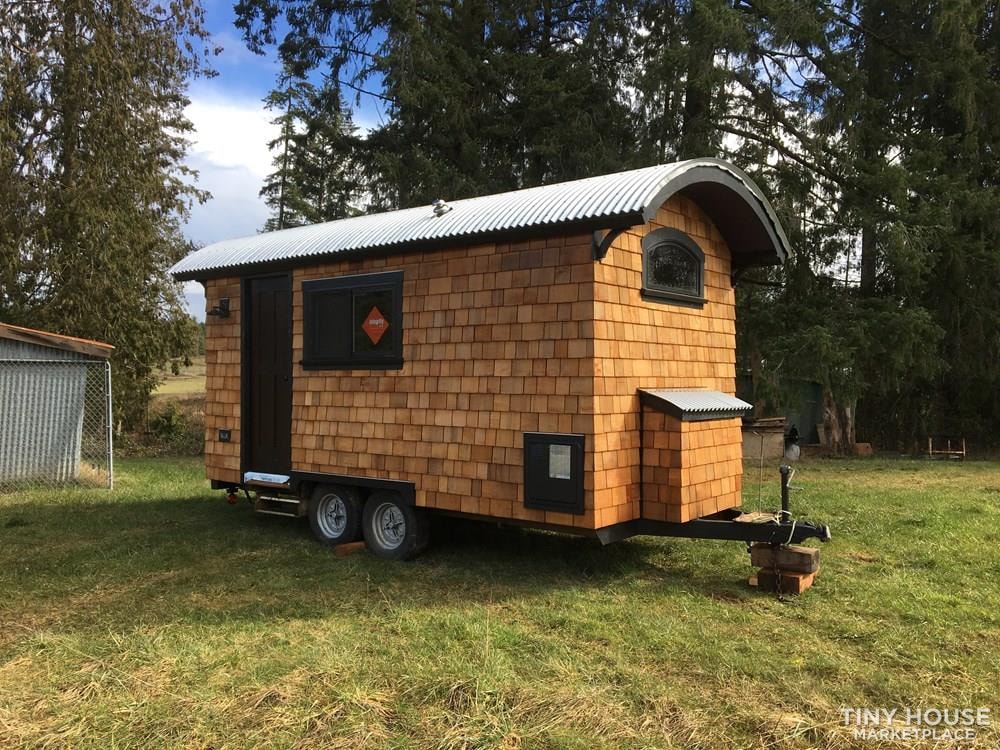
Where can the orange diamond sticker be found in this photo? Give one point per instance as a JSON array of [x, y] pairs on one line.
[[375, 325]]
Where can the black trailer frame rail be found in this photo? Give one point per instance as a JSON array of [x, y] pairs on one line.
[[406, 490], [728, 525]]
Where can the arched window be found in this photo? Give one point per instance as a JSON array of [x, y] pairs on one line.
[[673, 267]]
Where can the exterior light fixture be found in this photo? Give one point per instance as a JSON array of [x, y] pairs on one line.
[[221, 310]]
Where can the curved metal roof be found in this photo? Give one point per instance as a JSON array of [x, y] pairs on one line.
[[618, 200]]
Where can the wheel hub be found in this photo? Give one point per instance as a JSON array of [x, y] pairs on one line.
[[389, 525], [332, 515]]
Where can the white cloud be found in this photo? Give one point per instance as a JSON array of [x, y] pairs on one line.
[[229, 152], [232, 133]]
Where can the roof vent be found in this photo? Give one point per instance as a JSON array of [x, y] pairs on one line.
[[440, 207]]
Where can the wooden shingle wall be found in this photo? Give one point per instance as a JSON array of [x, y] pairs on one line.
[[497, 342], [222, 383], [500, 340], [690, 469], [655, 344]]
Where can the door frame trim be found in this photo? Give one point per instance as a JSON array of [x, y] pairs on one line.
[[245, 370]]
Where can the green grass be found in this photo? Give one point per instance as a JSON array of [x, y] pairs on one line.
[[158, 616], [190, 381]]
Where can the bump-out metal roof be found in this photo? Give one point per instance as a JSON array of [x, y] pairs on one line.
[[609, 201], [694, 404]]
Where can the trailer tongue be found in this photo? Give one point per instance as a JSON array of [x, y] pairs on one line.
[[733, 525], [777, 528]]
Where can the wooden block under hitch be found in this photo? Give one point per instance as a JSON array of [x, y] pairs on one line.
[[791, 581], [785, 557]]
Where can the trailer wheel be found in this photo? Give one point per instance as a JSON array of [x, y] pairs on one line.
[[335, 514], [393, 528]]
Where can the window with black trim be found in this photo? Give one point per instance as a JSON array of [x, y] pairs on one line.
[[353, 322], [673, 267], [553, 472]]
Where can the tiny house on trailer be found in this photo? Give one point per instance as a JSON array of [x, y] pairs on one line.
[[561, 357]]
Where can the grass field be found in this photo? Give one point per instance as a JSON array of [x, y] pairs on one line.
[[158, 616], [189, 381]]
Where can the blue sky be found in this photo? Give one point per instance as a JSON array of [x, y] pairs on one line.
[[229, 145]]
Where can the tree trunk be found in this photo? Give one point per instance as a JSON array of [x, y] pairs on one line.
[[696, 138], [838, 424], [71, 109], [286, 136], [871, 130], [756, 375], [869, 261]]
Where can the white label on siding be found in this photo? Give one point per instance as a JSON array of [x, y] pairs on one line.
[[559, 461]]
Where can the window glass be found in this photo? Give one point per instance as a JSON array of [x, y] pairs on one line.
[[674, 268]]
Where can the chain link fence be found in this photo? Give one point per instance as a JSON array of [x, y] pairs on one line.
[[55, 423]]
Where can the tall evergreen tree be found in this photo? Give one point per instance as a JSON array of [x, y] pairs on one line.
[[955, 191], [92, 183], [282, 190], [885, 81], [316, 173], [478, 97], [326, 163]]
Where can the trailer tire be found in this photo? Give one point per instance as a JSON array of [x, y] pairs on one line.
[[335, 514], [394, 529]]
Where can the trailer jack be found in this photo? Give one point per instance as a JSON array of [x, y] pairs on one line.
[[233, 495]]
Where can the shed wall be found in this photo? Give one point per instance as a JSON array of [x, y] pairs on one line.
[[22, 350], [41, 412]]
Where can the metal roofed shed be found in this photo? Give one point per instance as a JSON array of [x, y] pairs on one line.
[[55, 409], [560, 357]]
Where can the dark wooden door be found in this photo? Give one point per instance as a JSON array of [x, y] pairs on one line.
[[267, 350]]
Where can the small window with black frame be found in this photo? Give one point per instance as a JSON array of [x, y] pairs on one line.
[[673, 267], [353, 322], [553, 472]]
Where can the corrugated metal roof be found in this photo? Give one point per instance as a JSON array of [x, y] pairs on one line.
[[615, 200], [33, 336], [690, 404]]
